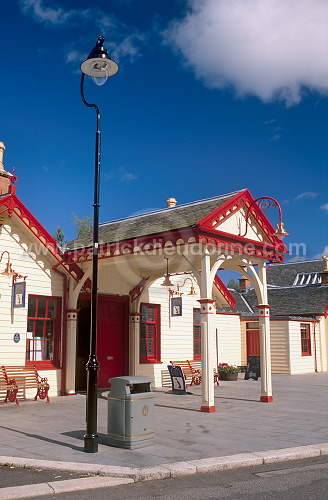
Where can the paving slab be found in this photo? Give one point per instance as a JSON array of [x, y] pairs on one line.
[[242, 432]]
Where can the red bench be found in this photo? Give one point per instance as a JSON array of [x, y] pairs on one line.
[[9, 386], [27, 377], [197, 367], [191, 376]]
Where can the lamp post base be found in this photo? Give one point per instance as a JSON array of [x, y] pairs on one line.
[[91, 443]]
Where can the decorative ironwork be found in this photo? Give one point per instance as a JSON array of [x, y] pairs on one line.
[[261, 204]]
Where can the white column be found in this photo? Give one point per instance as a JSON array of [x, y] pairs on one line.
[[134, 342], [207, 311], [265, 350], [70, 350]]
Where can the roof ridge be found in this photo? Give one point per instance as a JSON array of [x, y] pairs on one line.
[[296, 262], [165, 210]]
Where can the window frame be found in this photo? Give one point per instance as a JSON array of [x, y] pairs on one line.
[[195, 341], [156, 357], [306, 341], [57, 324]]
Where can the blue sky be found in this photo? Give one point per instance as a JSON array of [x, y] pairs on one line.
[[212, 96]]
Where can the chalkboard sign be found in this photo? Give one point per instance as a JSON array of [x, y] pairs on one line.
[[253, 370], [177, 379]]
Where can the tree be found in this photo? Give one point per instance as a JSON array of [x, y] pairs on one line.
[[83, 226], [233, 284], [59, 236]]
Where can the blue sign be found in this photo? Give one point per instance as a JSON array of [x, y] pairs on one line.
[[16, 338], [19, 291], [176, 306]]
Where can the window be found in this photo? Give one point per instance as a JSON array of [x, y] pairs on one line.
[[197, 334], [150, 333], [43, 330], [305, 339], [307, 279]]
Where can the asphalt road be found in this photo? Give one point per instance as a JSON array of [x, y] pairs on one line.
[[296, 480]]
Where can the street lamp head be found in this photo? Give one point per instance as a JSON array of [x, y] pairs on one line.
[[99, 65]]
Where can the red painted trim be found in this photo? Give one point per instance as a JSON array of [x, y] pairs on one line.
[[158, 334], [72, 310], [230, 206], [137, 290], [299, 320], [243, 246], [134, 314], [15, 206], [266, 399], [208, 409], [243, 199], [228, 312], [224, 291], [263, 306], [205, 236]]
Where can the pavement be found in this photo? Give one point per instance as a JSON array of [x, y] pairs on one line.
[[242, 432]]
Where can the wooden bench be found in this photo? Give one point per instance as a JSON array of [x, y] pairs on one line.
[[197, 367], [9, 386], [191, 376], [27, 377]]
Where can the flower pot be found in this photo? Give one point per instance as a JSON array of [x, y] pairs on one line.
[[228, 376]]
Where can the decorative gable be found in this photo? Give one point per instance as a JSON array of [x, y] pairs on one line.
[[240, 216]]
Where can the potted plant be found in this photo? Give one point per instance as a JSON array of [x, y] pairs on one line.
[[228, 372]]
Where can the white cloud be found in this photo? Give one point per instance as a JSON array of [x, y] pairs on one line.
[[324, 207], [121, 175], [306, 195], [74, 56], [49, 15], [127, 40], [272, 49]]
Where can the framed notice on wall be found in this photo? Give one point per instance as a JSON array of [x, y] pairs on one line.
[[19, 290], [176, 306]]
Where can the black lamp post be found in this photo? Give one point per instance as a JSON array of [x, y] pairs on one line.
[[99, 66]]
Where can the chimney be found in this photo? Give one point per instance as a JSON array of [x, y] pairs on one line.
[[324, 274], [243, 284], [171, 202], [4, 176]]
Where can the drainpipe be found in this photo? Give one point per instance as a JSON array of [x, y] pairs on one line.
[[63, 375]]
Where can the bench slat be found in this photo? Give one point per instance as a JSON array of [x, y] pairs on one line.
[[27, 377]]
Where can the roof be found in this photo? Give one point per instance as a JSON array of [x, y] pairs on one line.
[[242, 306], [284, 274], [160, 221], [286, 299], [294, 301]]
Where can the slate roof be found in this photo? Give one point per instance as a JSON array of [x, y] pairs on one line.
[[242, 306], [160, 221], [294, 301], [286, 300], [285, 274]]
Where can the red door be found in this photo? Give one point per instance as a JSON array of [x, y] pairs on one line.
[[253, 343], [112, 338]]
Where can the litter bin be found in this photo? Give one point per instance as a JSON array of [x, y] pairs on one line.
[[130, 412]]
